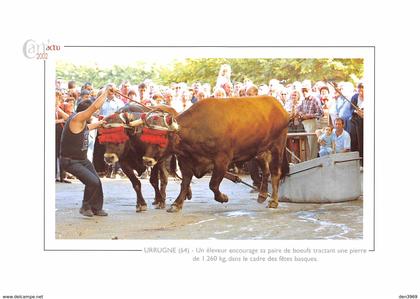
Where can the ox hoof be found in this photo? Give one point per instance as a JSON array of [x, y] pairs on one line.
[[272, 204], [262, 197], [189, 194], [221, 198], [160, 205], [173, 209], [141, 208]]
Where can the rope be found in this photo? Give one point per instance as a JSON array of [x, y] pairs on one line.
[[124, 96]]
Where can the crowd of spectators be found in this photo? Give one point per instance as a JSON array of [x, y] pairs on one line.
[[311, 106]]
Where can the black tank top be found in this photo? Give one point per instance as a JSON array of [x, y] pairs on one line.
[[74, 146]]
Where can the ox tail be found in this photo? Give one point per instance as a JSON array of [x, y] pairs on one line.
[[172, 167], [284, 165]]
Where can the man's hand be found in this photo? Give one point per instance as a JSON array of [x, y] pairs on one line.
[[101, 122], [96, 125], [109, 89], [360, 112]]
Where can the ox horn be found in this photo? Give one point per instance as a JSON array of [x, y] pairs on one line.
[[136, 123]]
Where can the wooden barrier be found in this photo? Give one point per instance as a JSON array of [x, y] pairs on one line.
[[298, 144]]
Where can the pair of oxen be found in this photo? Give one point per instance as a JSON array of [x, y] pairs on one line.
[[206, 138]]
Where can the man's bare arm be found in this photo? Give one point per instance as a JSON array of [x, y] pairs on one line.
[[62, 114], [96, 125], [87, 114], [78, 122]]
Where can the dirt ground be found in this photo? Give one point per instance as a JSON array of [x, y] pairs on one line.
[[242, 218]]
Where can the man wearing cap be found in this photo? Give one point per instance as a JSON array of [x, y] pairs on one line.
[[73, 155], [309, 110]]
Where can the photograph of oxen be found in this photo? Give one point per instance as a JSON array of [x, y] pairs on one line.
[[210, 148]]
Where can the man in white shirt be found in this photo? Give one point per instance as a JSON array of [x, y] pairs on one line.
[[112, 104], [343, 141]]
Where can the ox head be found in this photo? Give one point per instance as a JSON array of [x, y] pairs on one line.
[[158, 134], [114, 135]]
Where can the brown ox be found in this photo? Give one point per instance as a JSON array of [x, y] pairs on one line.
[[215, 132], [123, 144]]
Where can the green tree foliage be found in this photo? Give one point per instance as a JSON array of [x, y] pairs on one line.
[[100, 76], [259, 70]]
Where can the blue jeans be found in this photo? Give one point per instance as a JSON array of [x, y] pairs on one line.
[[93, 196], [325, 151]]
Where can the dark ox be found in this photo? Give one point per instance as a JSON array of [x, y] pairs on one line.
[[215, 132], [123, 145]]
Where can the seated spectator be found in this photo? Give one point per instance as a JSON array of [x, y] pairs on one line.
[[342, 137], [327, 142]]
